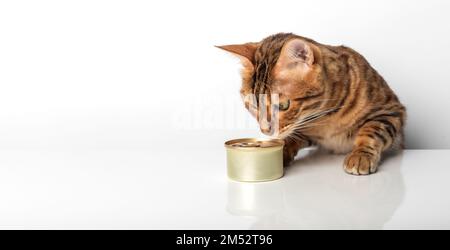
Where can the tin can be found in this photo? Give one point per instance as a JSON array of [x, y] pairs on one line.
[[254, 160]]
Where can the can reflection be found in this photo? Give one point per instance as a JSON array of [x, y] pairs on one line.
[[254, 199]]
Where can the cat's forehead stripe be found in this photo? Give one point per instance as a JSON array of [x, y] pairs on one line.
[[266, 57]]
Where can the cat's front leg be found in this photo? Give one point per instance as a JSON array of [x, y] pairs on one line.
[[371, 140], [291, 148]]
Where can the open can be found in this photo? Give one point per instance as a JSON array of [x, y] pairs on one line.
[[254, 160]]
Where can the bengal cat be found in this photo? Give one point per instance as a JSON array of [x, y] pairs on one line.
[[329, 96]]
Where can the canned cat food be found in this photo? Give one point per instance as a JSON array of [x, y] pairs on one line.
[[254, 160]]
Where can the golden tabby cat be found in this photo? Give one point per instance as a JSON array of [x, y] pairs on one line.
[[328, 96]]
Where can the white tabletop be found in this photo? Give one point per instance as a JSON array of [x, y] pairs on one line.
[[188, 189]]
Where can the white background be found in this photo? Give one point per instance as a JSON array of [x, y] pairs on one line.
[[144, 74]]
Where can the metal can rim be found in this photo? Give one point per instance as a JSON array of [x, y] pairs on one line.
[[270, 143]]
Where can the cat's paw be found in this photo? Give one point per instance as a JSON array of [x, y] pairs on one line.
[[360, 163]]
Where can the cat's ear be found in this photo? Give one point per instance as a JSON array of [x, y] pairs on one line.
[[246, 51], [296, 51], [297, 70]]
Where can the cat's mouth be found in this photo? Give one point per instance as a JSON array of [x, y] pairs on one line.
[[283, 132]]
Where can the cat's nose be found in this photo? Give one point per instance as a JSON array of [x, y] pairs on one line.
[[266, 129]]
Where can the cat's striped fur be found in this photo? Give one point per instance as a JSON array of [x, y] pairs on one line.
[[336, 99]]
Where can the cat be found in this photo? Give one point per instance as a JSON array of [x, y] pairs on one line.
[[329, 96]]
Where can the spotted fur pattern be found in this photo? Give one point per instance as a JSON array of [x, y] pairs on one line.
[[337, 100]]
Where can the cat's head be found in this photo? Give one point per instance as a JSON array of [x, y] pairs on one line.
[[285, 65]]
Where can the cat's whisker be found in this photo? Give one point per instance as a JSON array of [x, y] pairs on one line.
[[287, 132], [306, 122], [294, 137], [314, 116], [314, 125]]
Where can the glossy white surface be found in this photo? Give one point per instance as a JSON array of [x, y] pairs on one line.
[[151, 189]]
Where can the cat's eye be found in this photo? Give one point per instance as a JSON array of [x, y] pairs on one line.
[[283, 106]]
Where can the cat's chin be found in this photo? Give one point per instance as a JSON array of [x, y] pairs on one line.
[[272, 135]]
